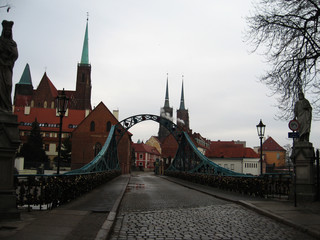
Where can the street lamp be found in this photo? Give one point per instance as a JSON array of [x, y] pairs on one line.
[[62, 104], [260, 129]]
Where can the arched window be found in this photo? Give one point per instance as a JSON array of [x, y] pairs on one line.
[[32, 103], [52, 104], [97, 148], [92, 126], [45, 104], [108, 126]]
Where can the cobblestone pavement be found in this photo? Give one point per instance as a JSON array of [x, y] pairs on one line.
[[148, 212]]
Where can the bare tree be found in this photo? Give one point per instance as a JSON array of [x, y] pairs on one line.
[[288, 33]]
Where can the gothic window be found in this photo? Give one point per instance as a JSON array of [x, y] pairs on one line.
[[108, 126], [32, 103], [83, 77], [92, 126], [45, 104], [97, 148], [52, 104]]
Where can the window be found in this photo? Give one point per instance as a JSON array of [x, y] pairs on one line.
[[46, 147], [140, 156], [232, 166], [225, 166], [45, 104], [108, 126], [92, 126]]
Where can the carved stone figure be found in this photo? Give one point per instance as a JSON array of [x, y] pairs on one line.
[[303, 113], [8, 56]]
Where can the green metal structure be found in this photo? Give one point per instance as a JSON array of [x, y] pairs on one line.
[[187, 159]]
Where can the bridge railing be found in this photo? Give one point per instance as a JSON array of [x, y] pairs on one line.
[[50, 191], [268, 186]]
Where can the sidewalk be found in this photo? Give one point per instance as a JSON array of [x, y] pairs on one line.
[[305, 217], [92, 215], [80, 219]]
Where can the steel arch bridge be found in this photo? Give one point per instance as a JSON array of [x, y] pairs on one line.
[[187, 159]]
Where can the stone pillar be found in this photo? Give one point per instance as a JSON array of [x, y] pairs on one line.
[[9, 142], [304, 160]]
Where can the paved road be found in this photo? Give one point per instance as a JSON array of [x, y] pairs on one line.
[[154, 208]]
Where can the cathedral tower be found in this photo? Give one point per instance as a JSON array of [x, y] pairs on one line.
[[167, 112], [83, 85], [183, 113]]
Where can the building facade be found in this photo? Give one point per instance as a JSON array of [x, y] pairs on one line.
[[146, 156], [234, 156], [90, 136], [274, 155]]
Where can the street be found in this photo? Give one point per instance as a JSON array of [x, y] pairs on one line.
[[154, 208]]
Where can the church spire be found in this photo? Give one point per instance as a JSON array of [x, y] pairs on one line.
[[182, 107], [166, 102], [85, 49]]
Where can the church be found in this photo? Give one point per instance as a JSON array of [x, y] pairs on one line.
[[40, 105]]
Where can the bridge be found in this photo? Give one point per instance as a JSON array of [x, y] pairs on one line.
[[189, 163], [187, 159]]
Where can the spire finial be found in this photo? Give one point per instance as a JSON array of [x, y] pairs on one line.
[[85, 49], [166, 102], [182, 107]]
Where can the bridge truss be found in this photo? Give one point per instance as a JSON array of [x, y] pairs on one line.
[[188, 158]]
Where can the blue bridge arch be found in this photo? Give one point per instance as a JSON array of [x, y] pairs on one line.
[[187, 159]]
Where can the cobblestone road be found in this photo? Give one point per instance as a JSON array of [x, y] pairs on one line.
[[156, 209]]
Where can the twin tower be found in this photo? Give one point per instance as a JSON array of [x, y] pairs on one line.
[[167, 112]]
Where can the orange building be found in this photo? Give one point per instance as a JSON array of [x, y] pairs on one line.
[[274, 154]]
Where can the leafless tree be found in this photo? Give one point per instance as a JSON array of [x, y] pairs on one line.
[[288, 33]]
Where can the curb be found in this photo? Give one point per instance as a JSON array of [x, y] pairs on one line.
[[256, 209], [108, 224]]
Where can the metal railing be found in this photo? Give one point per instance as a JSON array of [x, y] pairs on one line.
[[268, 186], [50, 191]]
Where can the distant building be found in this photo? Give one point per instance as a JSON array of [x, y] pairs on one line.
[[154, 142], [234, 156], [183, 113], [146, 156], [274, 155], [166, 112]]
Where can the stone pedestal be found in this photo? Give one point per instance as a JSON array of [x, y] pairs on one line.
[[9, 142], [304, 160]]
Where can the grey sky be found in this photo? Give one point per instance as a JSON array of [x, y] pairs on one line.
[[133, 44]]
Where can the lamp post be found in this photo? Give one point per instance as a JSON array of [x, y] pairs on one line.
[[261, 129], [62, 104]]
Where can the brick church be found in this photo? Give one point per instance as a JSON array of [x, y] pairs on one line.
[[40, 105]]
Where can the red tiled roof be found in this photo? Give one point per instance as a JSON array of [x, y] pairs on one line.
[[141, 147], [232, 152], [271, 145], [47, 117]]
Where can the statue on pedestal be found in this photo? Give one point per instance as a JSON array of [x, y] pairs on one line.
[[9, 137], [303, 113], [8, 56]]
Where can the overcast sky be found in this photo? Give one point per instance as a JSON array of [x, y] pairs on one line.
[[133, 44]]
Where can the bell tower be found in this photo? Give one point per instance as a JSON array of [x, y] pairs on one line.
[[166, 112], [183, 113], [83, 85]]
